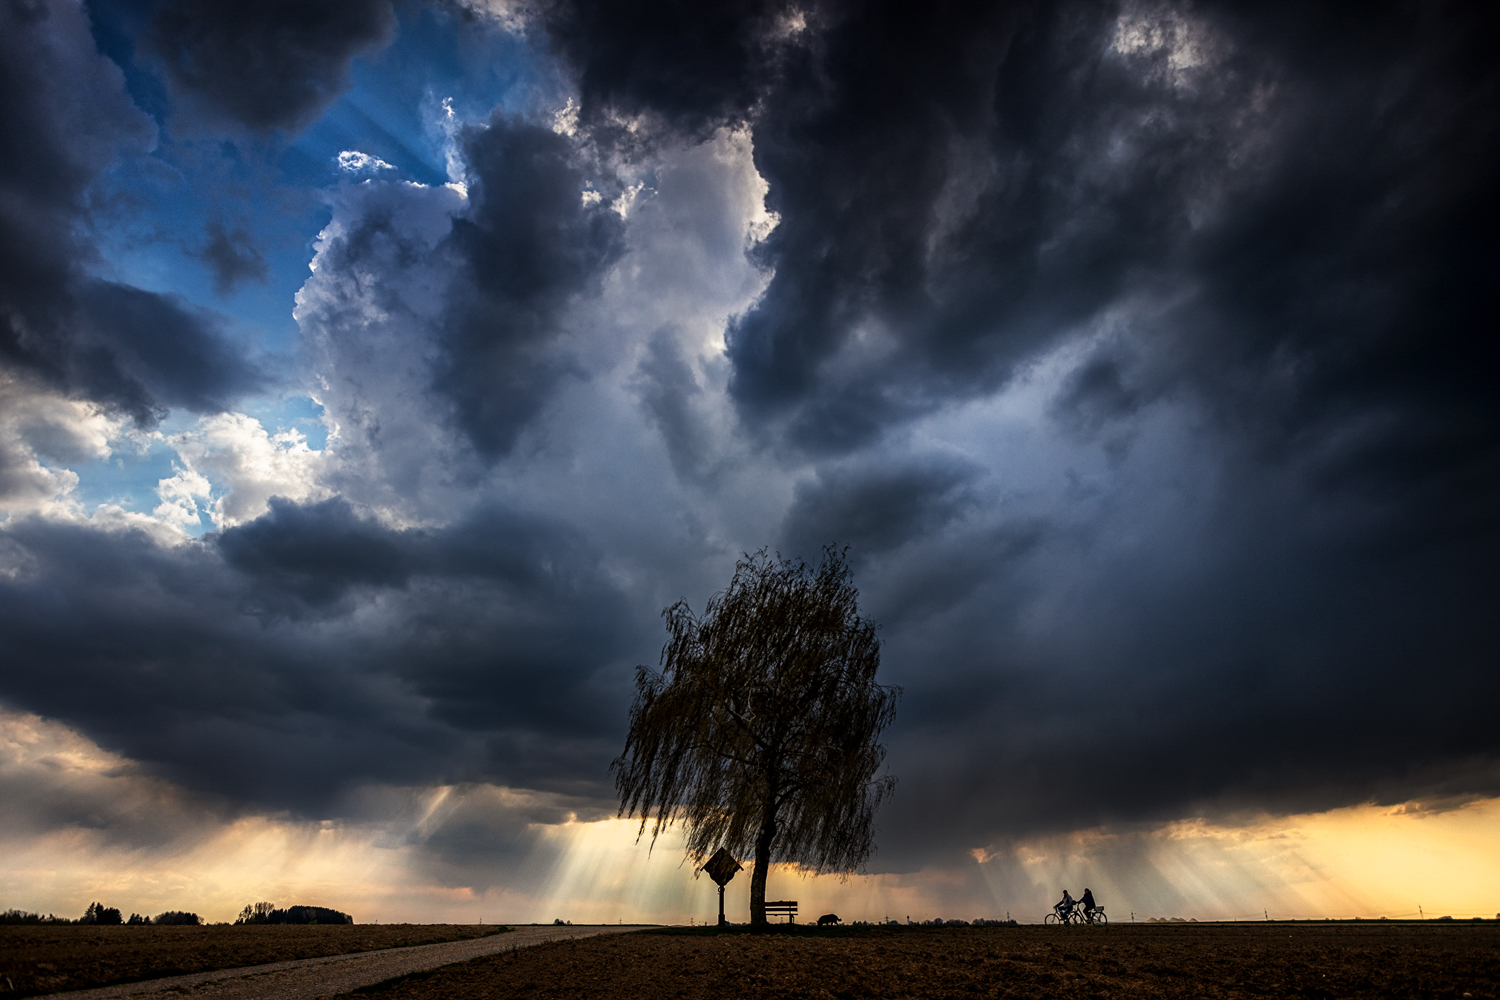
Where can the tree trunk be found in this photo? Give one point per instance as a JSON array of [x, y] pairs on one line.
[[762, 864]]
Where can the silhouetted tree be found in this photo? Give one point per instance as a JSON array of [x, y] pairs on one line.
[[267, 913], [256, 913], [98, 913], [761, 729], [309, 915], [177, 918]]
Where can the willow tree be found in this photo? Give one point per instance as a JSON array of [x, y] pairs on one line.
[[760, 732]]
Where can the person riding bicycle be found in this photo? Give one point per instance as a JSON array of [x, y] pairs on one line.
[[1087, 902], [1065, 905]]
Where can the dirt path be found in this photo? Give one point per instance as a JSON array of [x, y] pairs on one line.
[[307, 978]]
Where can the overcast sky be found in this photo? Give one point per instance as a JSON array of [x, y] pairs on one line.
[[373, 373]]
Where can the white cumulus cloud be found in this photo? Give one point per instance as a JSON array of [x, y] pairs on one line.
[[230, 466], [354, 162]]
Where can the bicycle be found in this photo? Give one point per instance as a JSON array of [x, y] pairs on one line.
[[1077, 916], [1062, 916]]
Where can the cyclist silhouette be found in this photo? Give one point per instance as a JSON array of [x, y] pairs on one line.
[[1087, 901], [1065, 905]]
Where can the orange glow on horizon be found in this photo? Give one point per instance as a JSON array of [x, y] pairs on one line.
[[1365, 861]]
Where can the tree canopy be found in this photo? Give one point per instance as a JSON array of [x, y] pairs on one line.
[[761, 729]]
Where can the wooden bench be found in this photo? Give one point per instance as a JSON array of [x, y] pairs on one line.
[[780, 907]]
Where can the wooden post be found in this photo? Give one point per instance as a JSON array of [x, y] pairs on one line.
[[721, 868]]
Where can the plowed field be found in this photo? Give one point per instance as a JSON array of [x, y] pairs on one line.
[[1186, 961], [48, 959]]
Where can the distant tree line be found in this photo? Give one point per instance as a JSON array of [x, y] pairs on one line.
[[22, 917], [267, 913], [175, 918], [99, 915]]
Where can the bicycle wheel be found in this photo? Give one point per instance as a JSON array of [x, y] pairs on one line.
[[1050, 918], [1100, 917]]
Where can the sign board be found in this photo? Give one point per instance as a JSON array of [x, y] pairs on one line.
[[722, 866]]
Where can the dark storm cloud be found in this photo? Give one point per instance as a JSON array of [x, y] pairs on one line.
[[970, 181], [695, 64], [136, 351], [935, 247], [495, 841], [1237, 687], [51, 149], [232, 257], [314, 554], [143, 350], [265, 64], [42, 797], [245, 669], [1102, 389], [874, 510], [475, 837], [64, 118], [671, 394], [151, 653], [528, 248], [1276, 220], [1240, 554], [919, 160]]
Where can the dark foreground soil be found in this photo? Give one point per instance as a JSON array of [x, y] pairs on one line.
[[48, 959], [1203, 960]]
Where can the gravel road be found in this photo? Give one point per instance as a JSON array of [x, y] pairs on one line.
[[308, 978]]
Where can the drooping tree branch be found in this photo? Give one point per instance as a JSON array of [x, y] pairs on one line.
[[760, 732]]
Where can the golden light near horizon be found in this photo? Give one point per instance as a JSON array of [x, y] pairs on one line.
[[1361, 861]]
